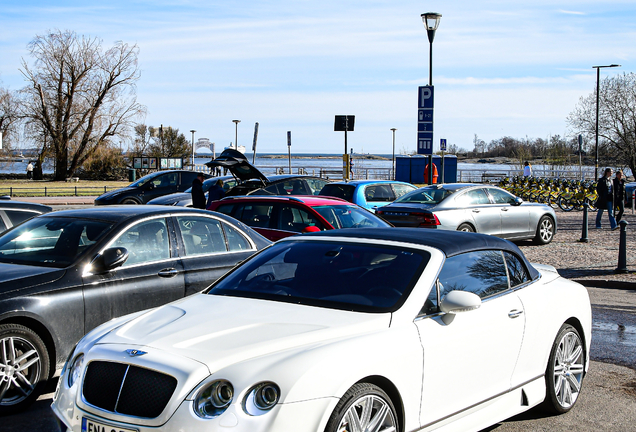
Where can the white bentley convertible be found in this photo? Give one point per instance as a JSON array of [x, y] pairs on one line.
[[356, 330]]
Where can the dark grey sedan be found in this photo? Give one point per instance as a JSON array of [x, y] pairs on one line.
[[66, 272], [475, 208], [15, 212]]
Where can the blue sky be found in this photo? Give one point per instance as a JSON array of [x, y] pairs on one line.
[[500, 68]]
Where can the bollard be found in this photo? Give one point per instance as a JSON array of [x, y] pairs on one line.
[[622, 249], [584, 238]]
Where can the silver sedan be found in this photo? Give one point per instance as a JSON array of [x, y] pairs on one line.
[[473, 207]]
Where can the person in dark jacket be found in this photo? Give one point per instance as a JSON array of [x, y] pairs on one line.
[[215, 193], [198, 197], [605, 190], [619, 195]]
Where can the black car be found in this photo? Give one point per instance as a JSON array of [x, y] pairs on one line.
[[246, 179], [15, 212], [66, 272], [150, 186]]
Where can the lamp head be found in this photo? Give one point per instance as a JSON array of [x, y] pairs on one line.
[[431, 22]]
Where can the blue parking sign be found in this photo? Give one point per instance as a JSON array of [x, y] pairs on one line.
[[425, 120], [442, 144]]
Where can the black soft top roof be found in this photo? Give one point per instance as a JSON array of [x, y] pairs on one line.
[[449, 242]]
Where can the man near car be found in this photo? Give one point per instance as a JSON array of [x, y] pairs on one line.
[[605, 201], [619, 195], [198, 197]]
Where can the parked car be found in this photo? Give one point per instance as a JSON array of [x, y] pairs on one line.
[[279, 217], [630, 188], [283, 184], [184, 199], [150, 186], [15, 212], [369, 194], [377, 329], [475, 208], [66, 272]]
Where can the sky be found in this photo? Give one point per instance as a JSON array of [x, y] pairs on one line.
[[500, 67]]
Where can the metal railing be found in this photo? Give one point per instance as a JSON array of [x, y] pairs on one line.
[[53, 191]]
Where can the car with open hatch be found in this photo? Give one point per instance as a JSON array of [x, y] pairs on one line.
[[66, 272], [375, 329], [284, 216], [472, 207]]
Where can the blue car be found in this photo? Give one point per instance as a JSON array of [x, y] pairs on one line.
[[369, 194]]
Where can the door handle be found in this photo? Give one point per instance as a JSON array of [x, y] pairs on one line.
[[168, 273], [504, 209], [514, 313], [475, 211]]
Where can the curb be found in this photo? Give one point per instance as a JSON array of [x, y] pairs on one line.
[[604, 283]]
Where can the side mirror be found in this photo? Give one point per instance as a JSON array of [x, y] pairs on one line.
[[517, 202], [310, 228], [456, 302], [108, 260]]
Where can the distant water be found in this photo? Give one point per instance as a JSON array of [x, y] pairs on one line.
[[312, 162]]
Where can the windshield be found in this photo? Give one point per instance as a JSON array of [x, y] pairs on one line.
[[349, 216], [427, 195], [50, 241], [350, 276], [145, 179]]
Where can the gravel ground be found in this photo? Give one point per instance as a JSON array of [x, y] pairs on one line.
[[592, 263]]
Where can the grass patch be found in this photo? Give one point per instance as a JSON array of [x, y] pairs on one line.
[[41, 188]]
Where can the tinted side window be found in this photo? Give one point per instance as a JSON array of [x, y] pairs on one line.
[[254, 215], [401, 189], [201, 235], [517, 272], [338, 191], [474, 197], [225, 209], [481, 272], [296, 219], [17, 216], [146, 242], [381, 192], [166, 180], [236, 241], [188, 177], [3, 227], [315, 185], [501, 197]]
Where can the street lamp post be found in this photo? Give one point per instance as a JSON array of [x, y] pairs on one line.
[[236, 122], [431, 22], [193, 131], [393, 159], [598, 82]]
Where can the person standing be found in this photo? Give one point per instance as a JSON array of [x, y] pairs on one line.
[[619, 195], [198, 197], [30, 171], [215, 193], [527, 169], [605, 190]]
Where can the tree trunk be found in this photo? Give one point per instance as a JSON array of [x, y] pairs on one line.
[[61, 163]]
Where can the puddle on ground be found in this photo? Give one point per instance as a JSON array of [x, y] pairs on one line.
[[624, 335]]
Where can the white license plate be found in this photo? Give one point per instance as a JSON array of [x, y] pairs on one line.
[[89, 425]]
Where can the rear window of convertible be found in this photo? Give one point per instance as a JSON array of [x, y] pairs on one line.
[[339, 275]]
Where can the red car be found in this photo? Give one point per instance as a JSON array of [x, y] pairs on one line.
[[278, 217]]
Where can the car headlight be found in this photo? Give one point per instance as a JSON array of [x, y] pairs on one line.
[[261, 398], [213, 399], [75, 370]]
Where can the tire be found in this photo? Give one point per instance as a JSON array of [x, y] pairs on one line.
[[466, 228], [355, 405], [545, 230], [565, 204], [591, 204], [565, 371], [130, 201], [21, 382]]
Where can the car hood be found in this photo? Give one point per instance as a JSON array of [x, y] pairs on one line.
[[170, 199], [114, 193], [16, 277], [237, 163], [219, 331]]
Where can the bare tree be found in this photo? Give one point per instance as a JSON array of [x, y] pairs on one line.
[[79, 95], [9, 117], [617, 118]]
